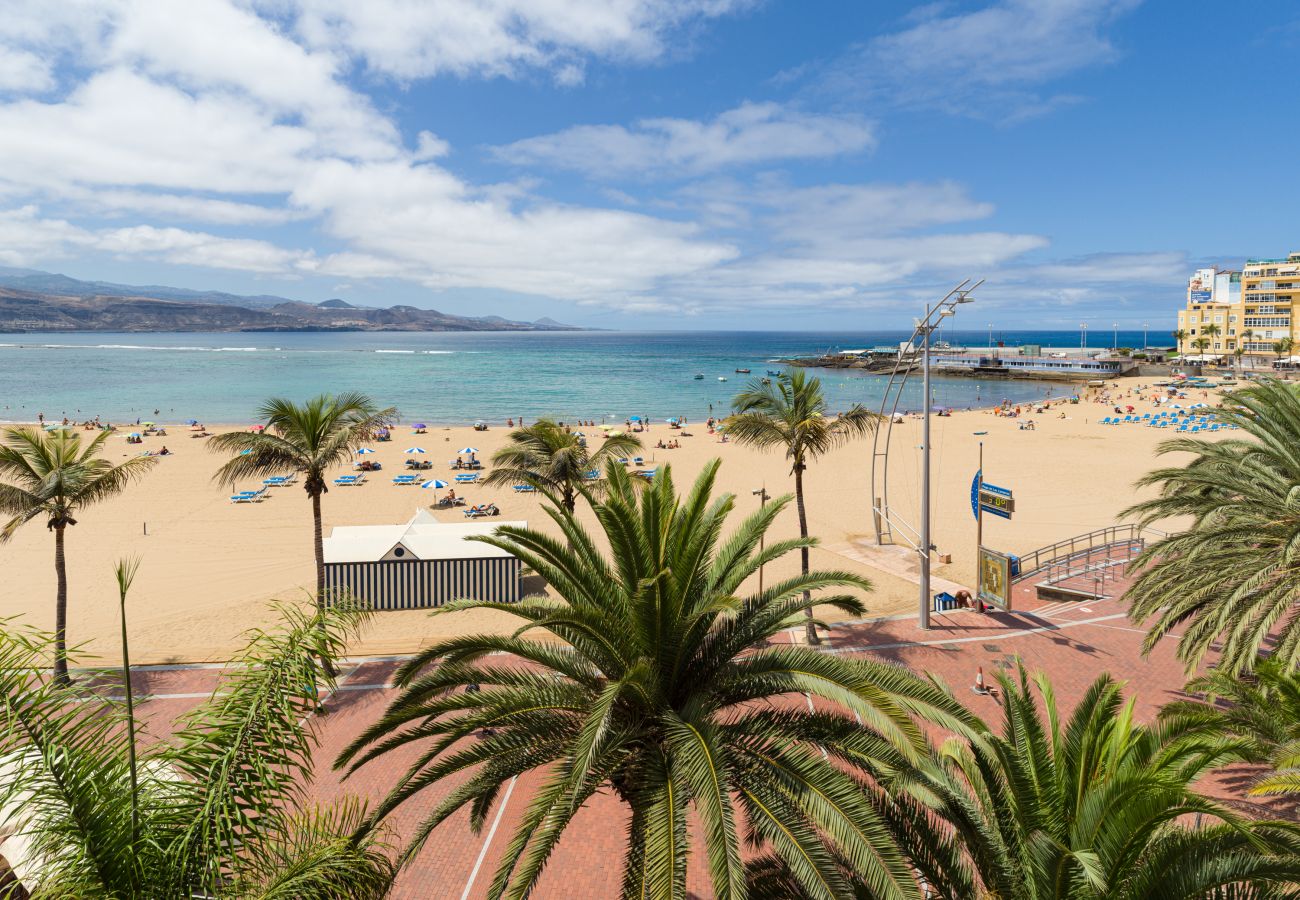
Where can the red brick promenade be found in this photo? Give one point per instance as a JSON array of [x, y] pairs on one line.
[[1072, 642]]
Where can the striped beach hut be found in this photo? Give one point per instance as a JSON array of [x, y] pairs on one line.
[[421, 564]]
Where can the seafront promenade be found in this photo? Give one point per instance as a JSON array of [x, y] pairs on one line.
[[1070, 642]]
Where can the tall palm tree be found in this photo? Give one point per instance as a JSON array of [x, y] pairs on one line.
[[667, 694], [1282, 348], [1263, 712], [1231, 577], [1096, 806], [1179, 336], [790, 413], [219, 808], [1246, 335], [55, 475], [555, 461], [1201, 344], [307, 439], [1211, 330]]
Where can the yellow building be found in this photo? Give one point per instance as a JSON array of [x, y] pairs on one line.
[[1250, 309]]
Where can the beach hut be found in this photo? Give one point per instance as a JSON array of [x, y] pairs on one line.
[[420, 564]]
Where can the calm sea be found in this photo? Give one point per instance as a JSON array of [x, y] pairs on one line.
[[453, 378]]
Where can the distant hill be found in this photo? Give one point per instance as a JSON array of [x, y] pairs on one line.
[[42, 301]]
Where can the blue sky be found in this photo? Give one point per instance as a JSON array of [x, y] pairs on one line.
[[655, 163]]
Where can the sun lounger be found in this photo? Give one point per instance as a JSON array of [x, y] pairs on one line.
[[346, 480], [637, 461], [525, 489], [648, 474], [249, 496], [477, 512], [467, 478], [405, 479]]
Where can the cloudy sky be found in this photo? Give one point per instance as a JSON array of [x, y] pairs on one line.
[[654, 163]]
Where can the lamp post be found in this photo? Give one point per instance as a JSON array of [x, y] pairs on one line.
[[1083, 335], [762, 495], [934, 315], [1145, 326], [1114, 328], [990, 335]]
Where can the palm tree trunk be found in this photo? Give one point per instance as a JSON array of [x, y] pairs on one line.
[[803, 551], [60, 609], [319, 542], [319, 546]]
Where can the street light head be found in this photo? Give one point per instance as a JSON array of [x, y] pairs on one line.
[[965, 299], [757, 491], [948, 312]]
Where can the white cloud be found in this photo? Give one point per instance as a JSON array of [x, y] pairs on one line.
[[411, 39], [24, 72], [988, 62], [26, 236], [748, 134]]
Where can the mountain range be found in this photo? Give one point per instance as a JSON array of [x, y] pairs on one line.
[[44, 301]]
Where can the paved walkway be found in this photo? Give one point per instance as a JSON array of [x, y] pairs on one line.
[[1072, 642]]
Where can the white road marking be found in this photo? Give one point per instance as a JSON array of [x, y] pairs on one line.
[[482, 853]]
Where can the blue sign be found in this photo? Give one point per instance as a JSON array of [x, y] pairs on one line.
[[975, 494], [994, 489], [1200, 296]]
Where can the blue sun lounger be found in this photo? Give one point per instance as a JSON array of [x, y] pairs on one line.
[[346, 480], [467, 478], [405, 479], [525, 489]]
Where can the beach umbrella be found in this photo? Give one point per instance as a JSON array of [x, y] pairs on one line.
[[191, 421], [419, 425], [671, 421], [258, 428], [435, 484], [148, 423], [414, 450], [614, 434], [364, 450], [137, 434], [468, 450], [634, 418]]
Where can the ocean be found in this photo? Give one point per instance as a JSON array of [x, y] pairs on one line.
[[456, 378]]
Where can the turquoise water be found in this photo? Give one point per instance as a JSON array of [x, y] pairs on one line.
[[448, 378]]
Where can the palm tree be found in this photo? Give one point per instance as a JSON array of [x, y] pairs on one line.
[[1232, 575], [555, 461], [1179, 336], [1262, 712], [1201, 344], [1246, 335], [790, 413], [306, 439], [1096, 806], [667, 694], [218, 810], [55, 475], [1282, 348]]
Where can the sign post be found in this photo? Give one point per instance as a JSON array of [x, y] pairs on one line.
[[992, 569]]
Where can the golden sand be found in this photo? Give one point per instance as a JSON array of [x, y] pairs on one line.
[[209, 567]]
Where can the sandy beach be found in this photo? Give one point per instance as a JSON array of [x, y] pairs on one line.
[[209, 568]]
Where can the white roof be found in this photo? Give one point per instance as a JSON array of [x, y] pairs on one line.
[[424, 537]]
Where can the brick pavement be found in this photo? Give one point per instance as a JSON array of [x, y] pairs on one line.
[[1071, 642]]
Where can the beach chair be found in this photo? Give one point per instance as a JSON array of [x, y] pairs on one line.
[[648, 474], [249, 496], [525, 489], [348, 480], [593, 475], [467, 478], [622, 460], [405, 479], [637, 461], [944, 601]]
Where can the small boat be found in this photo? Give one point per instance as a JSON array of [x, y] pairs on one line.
[[742, 371], [766, 381], [699, 377], [772, 373], [722, 377]]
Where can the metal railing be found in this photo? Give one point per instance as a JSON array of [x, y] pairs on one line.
[[1083, 546]]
